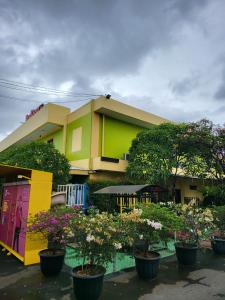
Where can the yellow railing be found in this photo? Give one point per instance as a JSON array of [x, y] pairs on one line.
[[126, 202]]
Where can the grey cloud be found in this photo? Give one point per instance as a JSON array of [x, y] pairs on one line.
[[50, 42], [185, 85], [94, 37], [168, 111], [220, 93]]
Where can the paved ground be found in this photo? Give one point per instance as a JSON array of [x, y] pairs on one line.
[[206, 281]]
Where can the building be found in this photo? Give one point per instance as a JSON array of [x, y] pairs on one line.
[[95, 138]]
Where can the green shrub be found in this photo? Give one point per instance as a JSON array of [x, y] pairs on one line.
[[165, 215], [39, 156], [219, 218], [213, 195]]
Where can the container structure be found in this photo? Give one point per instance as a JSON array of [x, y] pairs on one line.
[[23, 193]]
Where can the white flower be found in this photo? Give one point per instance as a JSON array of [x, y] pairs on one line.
[[141, 236], [153, 224], [117, 246], [157, 225], [90, 238]]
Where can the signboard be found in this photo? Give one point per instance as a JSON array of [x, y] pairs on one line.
[[34, 111]]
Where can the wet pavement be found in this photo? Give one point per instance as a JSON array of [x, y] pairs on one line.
[[204, 281]]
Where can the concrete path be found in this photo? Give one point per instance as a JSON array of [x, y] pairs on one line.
[[205, 281]]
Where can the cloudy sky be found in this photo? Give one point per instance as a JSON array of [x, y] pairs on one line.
[[164, 56]]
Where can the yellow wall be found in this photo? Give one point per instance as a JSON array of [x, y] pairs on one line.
[[40, 199], [184, 185]]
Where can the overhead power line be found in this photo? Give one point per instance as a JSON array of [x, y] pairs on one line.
[[36, 101], [14, 85], [18, 99]]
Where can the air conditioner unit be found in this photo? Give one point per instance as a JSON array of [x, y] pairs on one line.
[[126, 156]]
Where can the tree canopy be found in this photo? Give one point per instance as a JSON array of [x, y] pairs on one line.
[[209, 140], [159, 154], [39, 156]]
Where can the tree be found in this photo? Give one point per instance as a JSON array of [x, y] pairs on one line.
[[160, 154], [39, 156], [209, 141]]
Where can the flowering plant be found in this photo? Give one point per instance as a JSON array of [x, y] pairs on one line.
[[219, 221], [96, 238], [197, 223], [164, 215], [53, 225], [139, 229]]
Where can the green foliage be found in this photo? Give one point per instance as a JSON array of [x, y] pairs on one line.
[[196, 149], [140, 230], [166, 216], [219, 219], [39, 156], [213, 195], [209, 142], [158, 152], [197, 223], [97, 237]]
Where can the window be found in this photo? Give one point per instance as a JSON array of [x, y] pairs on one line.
[[193, 187], [76, 139]]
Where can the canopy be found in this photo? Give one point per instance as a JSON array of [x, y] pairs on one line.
[[130, 189]]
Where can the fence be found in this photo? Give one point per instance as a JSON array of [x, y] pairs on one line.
[[125, 201], [76, 194]]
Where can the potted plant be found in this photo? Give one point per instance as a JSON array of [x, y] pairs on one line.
[[143, 232], [96, 238], [165, 215], [218, 239], [53, 225], [196, 225]]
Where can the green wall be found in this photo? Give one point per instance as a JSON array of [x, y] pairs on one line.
[[57, 139], [85, 123], [100, 135], [118, 136]]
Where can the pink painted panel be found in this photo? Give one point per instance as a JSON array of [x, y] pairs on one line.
[[8, 203], [21, 218], [13, 219]]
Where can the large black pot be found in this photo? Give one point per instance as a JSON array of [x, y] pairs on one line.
[[88, 287], [51, 261], [186, 253], [147, 267], [218, 245]]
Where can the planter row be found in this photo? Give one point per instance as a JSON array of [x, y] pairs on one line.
[[90, 287]]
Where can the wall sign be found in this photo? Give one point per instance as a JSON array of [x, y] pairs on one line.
[[34, 111]]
